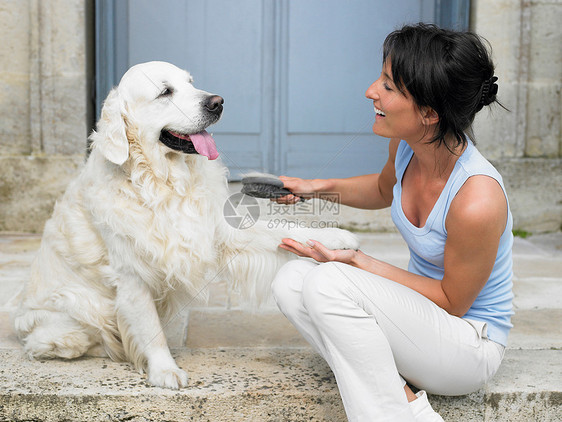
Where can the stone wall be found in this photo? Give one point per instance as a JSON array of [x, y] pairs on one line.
[[525, 143], [46, 78], [44, 105]]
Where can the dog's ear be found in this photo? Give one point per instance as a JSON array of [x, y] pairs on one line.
[[110, 134]]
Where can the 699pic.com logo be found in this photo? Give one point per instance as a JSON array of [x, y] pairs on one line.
[[241, 211]]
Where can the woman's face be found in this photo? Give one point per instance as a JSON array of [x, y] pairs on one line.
[[396, 114]]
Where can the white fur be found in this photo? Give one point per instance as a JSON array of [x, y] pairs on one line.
[[140, 233]]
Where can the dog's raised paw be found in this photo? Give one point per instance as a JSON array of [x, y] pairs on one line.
[[334, 238], [344, 240], [173, 378]]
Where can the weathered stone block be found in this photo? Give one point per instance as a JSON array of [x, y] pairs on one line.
[[533, 187], [495, 129], [14, 33], [14, 109], [545, 58], [63, 115], [29, 187], [499, 21], [543, 135], [14, 77]]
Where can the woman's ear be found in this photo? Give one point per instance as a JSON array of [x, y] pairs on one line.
[[429, 116], [110, 134]]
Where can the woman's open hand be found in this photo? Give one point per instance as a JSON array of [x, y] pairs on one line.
[[319, 252]]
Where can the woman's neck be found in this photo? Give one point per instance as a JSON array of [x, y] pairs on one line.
[[435, 161]]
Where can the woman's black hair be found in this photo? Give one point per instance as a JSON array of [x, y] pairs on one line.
[[449, 71]]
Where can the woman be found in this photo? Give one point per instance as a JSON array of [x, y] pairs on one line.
[[442, 325]]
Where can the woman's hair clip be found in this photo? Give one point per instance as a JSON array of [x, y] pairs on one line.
[[489, 91]]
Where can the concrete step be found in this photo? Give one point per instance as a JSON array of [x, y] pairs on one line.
[[256, 367], [250, 384]]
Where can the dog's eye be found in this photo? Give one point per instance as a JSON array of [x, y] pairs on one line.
[[166, 92]]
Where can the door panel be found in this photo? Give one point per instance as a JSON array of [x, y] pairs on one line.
[[293, 73], [332, 53], [224, 55]]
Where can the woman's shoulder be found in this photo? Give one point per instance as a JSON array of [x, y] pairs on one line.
[[481, 201], [474, 163]]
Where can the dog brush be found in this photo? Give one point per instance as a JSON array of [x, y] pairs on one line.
[[261, 185]]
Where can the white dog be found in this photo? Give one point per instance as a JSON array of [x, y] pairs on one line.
[[141, 231]]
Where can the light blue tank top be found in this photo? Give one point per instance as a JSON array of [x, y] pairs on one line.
[[427, 244]]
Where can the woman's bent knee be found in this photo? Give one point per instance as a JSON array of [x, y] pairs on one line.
[[324, 285], [287, 284]]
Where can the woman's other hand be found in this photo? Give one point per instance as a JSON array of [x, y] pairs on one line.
[[320, 253]]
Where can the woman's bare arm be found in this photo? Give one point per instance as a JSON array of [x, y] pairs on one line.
[[475, 223], [370, 191]]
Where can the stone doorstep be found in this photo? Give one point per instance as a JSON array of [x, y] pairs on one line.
[[537, 293], [533, 329], [256, 367], [537, 267], [250, 384], [207, 329]]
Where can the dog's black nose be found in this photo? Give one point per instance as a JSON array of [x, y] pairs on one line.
[[213, 104]]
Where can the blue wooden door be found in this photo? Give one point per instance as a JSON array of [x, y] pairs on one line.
[[293, 73], [330, 54]]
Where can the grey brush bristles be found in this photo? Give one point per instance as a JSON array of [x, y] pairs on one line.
[[263, 185]]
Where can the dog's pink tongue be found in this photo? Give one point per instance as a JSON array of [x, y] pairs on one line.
[[205, 145]]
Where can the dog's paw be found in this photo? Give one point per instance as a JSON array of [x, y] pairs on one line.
[[334, 238], [163, 371], [173, 378], [343, 240]]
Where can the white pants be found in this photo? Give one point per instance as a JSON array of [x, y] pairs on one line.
[[374, 333]]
